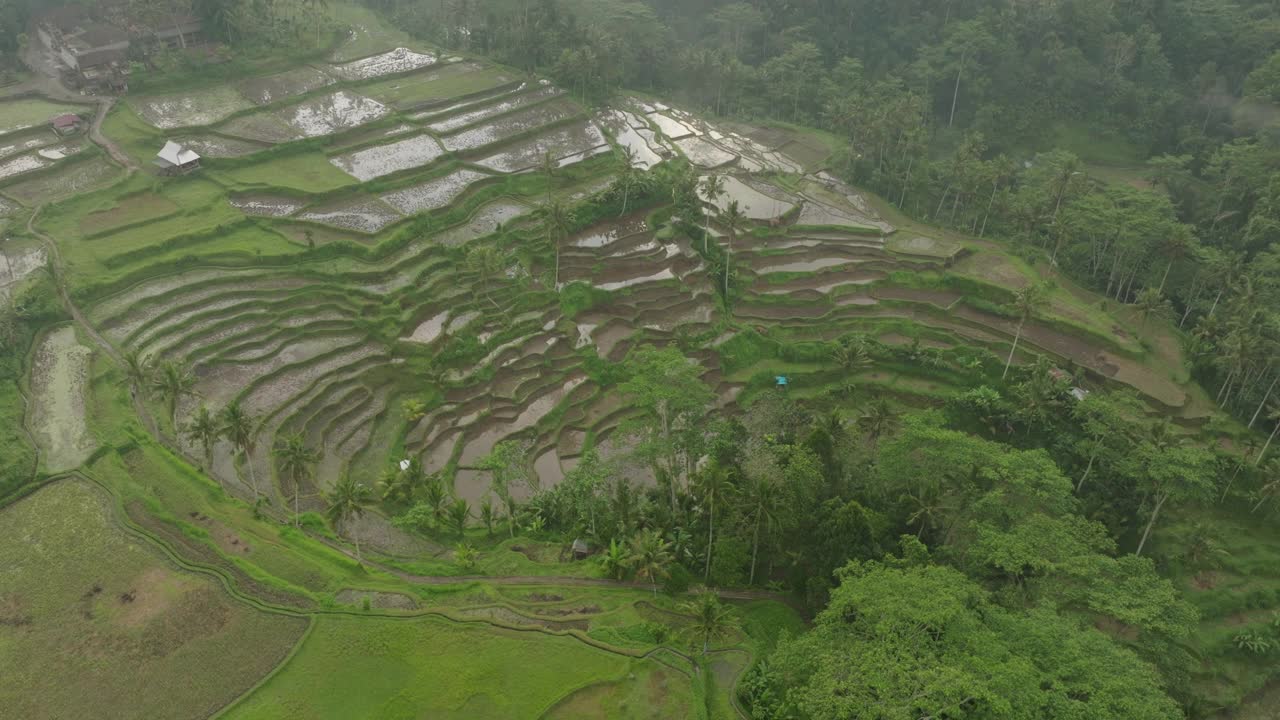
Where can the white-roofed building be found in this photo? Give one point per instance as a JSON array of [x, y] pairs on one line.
[[175, 159]]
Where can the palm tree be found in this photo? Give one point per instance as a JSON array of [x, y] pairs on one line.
[[395, 486], [627, 176], [852, 356], [1272, 471], [559, 220], [549, 170], [433, 495], [714, 484], [296, 461], [349, 501], [735, 221], [878, 421], [172, 381], [237, 428], [457, 514], [712, 619], [487, 514], [1273, 416], [761, 498], [1026, 301], [317, 8], [711, 188], [485, 261], [650, 557], [1151, 303], [137, 370], [203, 430]]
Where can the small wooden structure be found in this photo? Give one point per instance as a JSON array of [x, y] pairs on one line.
[[175, 159], [580, 549], [68, 124]]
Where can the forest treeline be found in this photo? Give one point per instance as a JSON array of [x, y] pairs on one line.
[[980, 115]]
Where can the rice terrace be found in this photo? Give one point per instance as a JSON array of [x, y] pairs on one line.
[[400, 360]]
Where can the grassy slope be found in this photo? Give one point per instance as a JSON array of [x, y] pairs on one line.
[[95, 624]]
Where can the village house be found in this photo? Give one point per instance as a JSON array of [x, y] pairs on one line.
[[68, 124], [174, 159]]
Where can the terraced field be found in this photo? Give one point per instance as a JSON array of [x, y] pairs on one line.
[[368, 233]]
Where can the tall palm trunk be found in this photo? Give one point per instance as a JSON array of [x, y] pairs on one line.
[[1012, 350], [1263, 404], [1263, 452], [711, 525], [755, 548], [1155, 513]]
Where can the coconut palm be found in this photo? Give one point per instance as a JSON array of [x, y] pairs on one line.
[[735, 221], [879, 420], [395, 486], [711, 189], [487, 514], [1274, 416], [236, 426], [485, 261], [458, 514], [203, 430], [760, 498], [712, 620], [714, 485], [1151, 303], [1026, 301], [559, 219], [296, 461], [137, 370], [348, 502], [627, 176], [852, 356], [170, 382], [650, 557], [1271, 476]]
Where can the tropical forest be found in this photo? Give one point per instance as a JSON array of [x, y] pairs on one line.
[[640, 359]]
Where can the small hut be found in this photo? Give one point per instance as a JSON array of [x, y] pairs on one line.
[[174, 159], [580, 549], [68, 124]]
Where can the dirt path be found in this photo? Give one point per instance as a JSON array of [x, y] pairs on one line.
[[60, 282], [95, 134]]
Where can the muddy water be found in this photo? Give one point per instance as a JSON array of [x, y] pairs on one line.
[[604, 234], [23, 144], [620, 123], [705, 154], [567, 140], [204, 107], [547, 467], [266, 205], [17, 264], [484, 222], [215, 146], [671, 127], [58, 380], [515, 124], [332, 113], [753, 203], [430, 329], [21, 164], [805, 265], [368, 216], [664, 274], [480, 445], [480, 114], [432, 194], [388, 63], [394, 157]]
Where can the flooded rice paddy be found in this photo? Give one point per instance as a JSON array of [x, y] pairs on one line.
[[179, 110], [328, 114], [365, 215], [394, 157], [59, 377], [559, 143], [433, 194], [399, 60], [281, 86]]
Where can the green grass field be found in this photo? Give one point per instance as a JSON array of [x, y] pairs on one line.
[[95, 624], [308, 172], [29, 112], [403, 669]]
